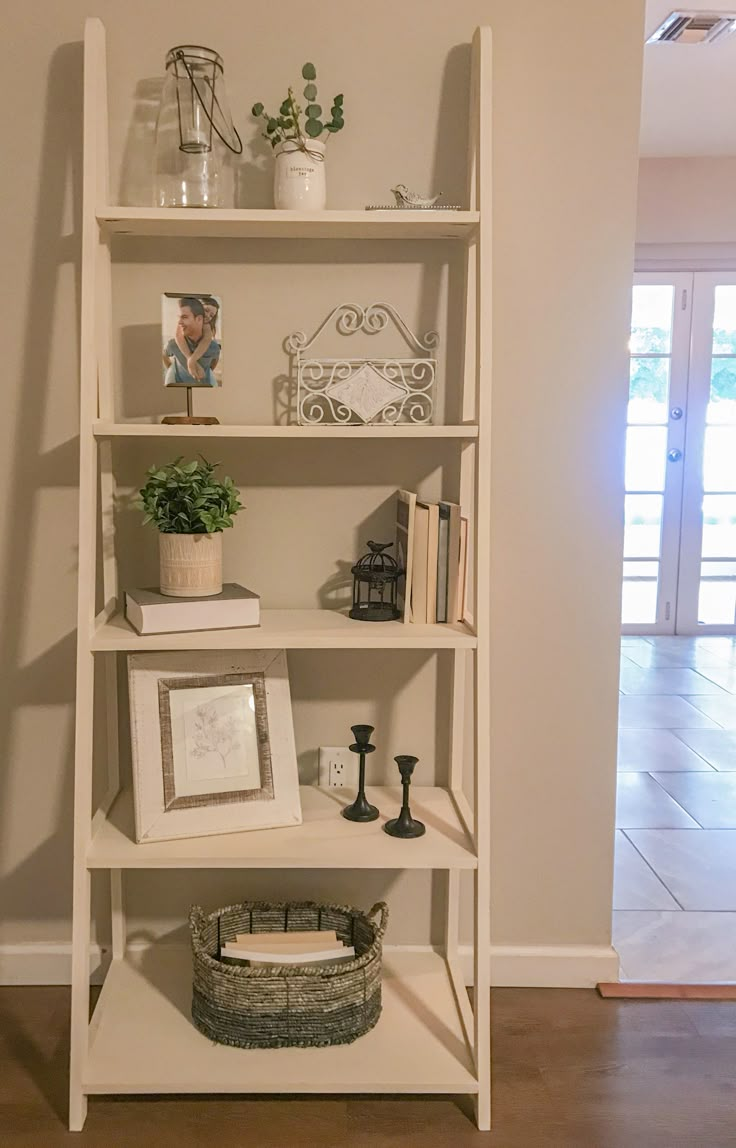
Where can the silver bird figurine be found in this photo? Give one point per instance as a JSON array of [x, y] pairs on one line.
[[406, 198]]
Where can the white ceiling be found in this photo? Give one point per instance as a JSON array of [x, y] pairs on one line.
[[689, 96]]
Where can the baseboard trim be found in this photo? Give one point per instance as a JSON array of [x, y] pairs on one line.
[[533, 966], [545, 966], [42, 963], [553, 966]]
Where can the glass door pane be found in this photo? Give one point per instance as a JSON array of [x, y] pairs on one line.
[[717, 591], [659, 334], [708, 545]]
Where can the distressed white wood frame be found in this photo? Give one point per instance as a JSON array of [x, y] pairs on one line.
[[155, 821]]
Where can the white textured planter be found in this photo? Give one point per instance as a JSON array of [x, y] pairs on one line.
[[299, 179], [190, 565]]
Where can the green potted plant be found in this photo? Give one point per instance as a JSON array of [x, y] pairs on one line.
[[190, 508], [299, 138]]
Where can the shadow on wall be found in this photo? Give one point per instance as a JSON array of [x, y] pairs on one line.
[[140, 358], [138, 154], [48, 680], [450, 155], [40, 887]]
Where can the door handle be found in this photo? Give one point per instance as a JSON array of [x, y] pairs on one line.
[[676, 413], [674, 455]]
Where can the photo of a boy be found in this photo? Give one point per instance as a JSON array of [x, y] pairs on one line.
[[191, 355]]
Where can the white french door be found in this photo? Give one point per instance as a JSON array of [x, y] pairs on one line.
[[679, 571], [707, 597], [655, 447]]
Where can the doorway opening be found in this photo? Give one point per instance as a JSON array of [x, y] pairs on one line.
[[679, 573], [675, 889]]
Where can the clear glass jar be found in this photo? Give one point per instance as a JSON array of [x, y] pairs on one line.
[[193, 123]]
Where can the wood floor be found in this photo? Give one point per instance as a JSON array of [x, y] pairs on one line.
[[571, 1070]]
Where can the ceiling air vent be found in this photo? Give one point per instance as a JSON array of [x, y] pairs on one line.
[[694, 28]]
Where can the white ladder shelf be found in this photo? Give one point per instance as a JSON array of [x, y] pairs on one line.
[[140, 1038]]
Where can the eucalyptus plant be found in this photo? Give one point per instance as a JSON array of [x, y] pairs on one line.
[[186, 498], [289, 124]]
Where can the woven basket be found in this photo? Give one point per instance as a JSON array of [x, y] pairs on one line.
[[301, 1006]]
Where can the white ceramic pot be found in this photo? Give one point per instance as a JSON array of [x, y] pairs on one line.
[[299, 179], [190, 565]]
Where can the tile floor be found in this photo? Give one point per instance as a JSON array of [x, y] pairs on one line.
[[675, 888]]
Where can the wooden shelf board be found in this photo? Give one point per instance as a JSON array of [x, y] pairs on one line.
[[272, 224], [143, 1041], [290, 630], [324, 840], [404, 431]]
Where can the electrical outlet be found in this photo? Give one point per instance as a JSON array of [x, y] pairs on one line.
[[338, 767]]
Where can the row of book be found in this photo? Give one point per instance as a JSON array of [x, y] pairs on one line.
[[432, 547], [293, 948]]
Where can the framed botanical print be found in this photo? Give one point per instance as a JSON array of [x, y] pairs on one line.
[[213, 743]]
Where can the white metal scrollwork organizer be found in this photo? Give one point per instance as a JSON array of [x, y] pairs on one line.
[[356, 391]]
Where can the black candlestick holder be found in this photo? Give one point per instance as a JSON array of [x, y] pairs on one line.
[[361, 809], [405, 825]]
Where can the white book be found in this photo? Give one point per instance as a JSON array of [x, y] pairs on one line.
[[420, 564], [274, 946], [280, 957], [452, 511], [405, 516], [317, 938], [151, 612], [443, 551], [346, 955], [433, 511], [462, 580]]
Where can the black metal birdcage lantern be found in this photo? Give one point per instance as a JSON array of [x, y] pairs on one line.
[[376, 585]]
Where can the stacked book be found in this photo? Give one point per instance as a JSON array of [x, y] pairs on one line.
[[151, 612], [293, 948], [432, 547]]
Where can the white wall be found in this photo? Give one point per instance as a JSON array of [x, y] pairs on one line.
[[566, 130], [565, 121], [691, 201]]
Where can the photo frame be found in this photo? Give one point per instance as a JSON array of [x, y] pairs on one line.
[[191, 339], [212, 743]]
